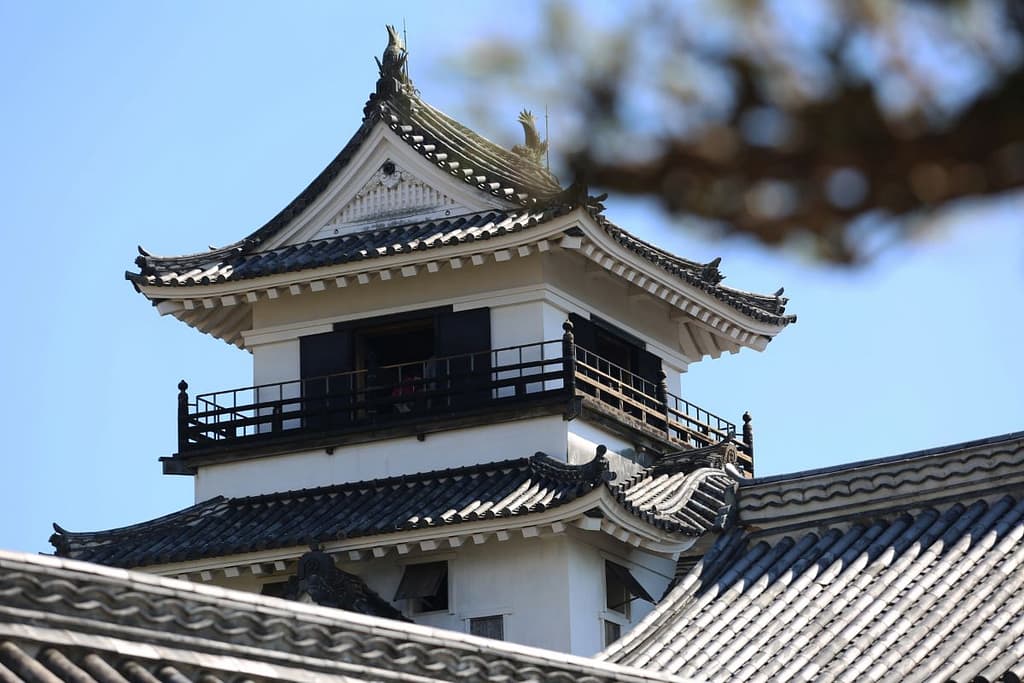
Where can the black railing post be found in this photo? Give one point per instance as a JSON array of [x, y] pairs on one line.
[[569, 357], [661, 394], [748, 434], [182, 416]]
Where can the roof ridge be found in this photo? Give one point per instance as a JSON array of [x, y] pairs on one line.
[[910, 455]]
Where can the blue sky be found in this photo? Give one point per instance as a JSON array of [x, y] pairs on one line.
[[180, 125]]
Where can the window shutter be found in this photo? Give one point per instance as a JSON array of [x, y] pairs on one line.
[[466, 332], [325, 399]]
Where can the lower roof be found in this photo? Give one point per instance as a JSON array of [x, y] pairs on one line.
[[872, 571], [62, 620], [683, 500]]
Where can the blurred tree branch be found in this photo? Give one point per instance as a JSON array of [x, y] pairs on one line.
[[784, 120]]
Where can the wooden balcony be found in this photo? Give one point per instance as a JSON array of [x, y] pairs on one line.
[[447, 390]]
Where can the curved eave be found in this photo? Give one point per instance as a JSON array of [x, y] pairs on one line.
[[707, 309], [223, 306], [614, 521]]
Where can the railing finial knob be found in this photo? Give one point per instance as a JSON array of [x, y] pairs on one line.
[[748, 431], [182, 386], [568, 327]]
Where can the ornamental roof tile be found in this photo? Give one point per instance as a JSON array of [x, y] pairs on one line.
[[922, 588], [680, 503], [62, 620]]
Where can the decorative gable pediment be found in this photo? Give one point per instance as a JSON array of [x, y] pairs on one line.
[[391, 196]]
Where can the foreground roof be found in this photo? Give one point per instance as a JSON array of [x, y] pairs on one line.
[[907, 568], [62, 620], [678, 500]]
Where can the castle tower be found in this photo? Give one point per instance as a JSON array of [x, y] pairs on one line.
[[464, 409]]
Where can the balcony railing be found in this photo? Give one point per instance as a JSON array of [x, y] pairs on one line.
[[391, 395]]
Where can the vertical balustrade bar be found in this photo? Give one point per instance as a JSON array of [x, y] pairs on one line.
[[182, 416], [569, 358], [661, 394]]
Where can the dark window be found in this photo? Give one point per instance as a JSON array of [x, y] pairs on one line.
[[621, 588], [612, 632], [278, 589], [396, 364], [488, 627], [425, 586]]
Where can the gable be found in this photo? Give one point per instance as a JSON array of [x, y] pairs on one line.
[[386, 183]]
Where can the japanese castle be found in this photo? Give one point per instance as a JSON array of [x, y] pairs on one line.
[[466, 421]]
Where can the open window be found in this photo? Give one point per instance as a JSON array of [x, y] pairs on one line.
[[380, 366], [618, 368], [425, 586], [621, 589]]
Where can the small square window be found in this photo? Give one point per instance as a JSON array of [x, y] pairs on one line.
[[612, 632], [275, 590], [488, 627], [621, 588], [425, 586]]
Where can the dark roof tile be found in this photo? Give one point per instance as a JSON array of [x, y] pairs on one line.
[[678, 501]]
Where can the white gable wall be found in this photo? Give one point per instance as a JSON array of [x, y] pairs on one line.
[[351, 186]]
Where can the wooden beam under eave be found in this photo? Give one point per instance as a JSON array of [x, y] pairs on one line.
[[168, 307], [688, 344], [226, 323], [705, 342]]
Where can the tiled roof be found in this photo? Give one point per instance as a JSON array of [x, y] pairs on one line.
[[240, 264], [897, 586], [223, 526], [62, 620], [704, 276], [463, 154]]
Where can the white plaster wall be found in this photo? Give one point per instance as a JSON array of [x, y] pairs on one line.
[[275, 362], [360, 462], [549, 589], [587, 590]]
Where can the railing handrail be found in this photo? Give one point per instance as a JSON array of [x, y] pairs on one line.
[[573, 367], [353, 373], [722, 424]]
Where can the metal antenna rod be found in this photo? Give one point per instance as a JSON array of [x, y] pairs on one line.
[[547, 139], [405, 43]]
